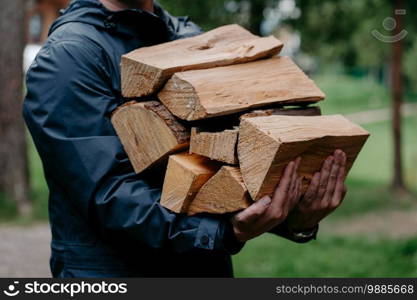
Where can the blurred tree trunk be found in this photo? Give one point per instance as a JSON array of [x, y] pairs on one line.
[[14, 183], [257, 8], [398, 183]]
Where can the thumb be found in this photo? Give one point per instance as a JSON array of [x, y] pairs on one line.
[[253, 212]]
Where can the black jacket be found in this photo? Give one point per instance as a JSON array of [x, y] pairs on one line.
[[106, 221]]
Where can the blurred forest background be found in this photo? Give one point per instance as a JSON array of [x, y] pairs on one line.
[[346, 47]]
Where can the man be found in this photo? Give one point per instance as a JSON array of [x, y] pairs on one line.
[[106, 221]]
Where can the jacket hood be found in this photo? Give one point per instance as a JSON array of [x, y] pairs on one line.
[[85, 11]]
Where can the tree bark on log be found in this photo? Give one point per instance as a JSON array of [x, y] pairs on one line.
[[149, 133]]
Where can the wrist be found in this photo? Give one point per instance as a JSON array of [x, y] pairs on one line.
[[303, 233]]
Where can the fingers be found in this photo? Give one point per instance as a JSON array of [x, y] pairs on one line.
[[324, 176], [284, 199], [340, 189], [244, 223], [294, 174], [297, 193], [253, 212], [285, 182], [339, 161], [312, 189]]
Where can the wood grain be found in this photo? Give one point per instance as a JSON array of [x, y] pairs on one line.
[[296, 111], [148, 133], [185, 175], [225, 192], [200, 94], [145, 70], [220, 146], [267, 144]]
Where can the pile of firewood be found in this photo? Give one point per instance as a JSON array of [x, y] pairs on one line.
[[193, 108]]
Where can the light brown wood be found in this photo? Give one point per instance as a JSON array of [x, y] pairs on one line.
[[267, 144], [149, 133], [299, 111], [200, 94], [145, 70], [185, 175], [219, 146], [225, 192]]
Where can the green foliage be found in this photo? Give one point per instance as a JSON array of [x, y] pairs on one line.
[[332, 31], [213, 13], [39, 189], [341, 30], [8, 209]]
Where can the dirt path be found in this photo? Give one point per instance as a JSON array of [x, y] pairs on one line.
[[388, 224], [24, 251], [379, 115]]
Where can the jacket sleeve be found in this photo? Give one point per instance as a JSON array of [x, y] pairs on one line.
[[67, 110]]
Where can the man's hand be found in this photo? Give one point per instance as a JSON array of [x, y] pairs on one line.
[[267, 213], [325, 193]]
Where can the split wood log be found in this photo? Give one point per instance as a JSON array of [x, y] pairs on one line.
[[220, 146], [201, 94], [267, 144], [185, 175], [225, 192], [149, 133], [145, 70], [298, 111]]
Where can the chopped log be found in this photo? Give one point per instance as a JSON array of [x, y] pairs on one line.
[[298, 111], [200, 94], [149, 133], [185, 175], [225, 192], [220, 146], [267, 144], [145, 70]]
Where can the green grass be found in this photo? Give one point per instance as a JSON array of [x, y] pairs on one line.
[[39, 189], [270, 256], [345, 94], [38, 193]]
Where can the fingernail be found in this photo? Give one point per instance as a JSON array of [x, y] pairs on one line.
[[265, 201]]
